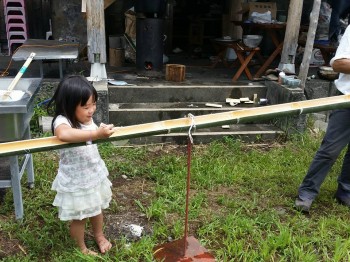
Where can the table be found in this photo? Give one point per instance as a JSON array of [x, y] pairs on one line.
[[271, 30], [244, 55], [221, 46], [47, 50]]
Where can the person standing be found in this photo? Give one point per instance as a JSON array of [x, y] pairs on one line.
[[336, 138], [82, 186], [340, 10]]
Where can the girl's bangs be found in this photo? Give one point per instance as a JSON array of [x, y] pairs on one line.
[[85, 95]]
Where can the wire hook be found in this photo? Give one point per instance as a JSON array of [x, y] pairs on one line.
[[193, 126]]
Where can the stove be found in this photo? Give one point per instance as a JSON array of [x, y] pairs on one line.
[[150, 36]]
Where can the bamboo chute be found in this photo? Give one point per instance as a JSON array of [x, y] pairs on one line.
[[183, 124]]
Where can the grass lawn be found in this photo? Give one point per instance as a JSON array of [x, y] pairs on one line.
[[241, 205]]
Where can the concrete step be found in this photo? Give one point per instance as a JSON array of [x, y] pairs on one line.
[[124, 114], [131, 105], [244, 132], [183, 93]]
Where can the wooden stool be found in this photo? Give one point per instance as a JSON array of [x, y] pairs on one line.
[[175, 72], [221, 46], [269, 60], [241, 52]]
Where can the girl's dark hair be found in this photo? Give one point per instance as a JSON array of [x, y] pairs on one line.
[[71, 91]]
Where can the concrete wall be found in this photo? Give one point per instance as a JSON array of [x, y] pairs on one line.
[[279, 94], [68, 22], [314, 89], [318, 88], [101, 115]]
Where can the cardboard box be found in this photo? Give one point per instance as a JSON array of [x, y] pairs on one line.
[[116, 57], [259, 7]]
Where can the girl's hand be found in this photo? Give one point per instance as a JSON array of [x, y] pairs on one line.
[[68, 134], [105, 131]]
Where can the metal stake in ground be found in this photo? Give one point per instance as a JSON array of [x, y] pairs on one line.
[[187, 248]]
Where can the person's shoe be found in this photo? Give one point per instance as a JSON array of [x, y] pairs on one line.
[[342, 197], [342, 200], [303, 205]]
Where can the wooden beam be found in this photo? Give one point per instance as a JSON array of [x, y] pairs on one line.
[[96, 38], [183, 124], [304, 67], [291, 36], [235, 7]]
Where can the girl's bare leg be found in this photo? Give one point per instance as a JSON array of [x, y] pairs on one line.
[[97, 228], [77, 232]]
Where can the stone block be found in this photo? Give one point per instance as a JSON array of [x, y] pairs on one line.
[[279, 94]]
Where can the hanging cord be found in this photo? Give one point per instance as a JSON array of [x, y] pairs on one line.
[[189, 150]]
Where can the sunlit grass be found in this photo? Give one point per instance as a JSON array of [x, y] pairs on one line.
[[241, 204]]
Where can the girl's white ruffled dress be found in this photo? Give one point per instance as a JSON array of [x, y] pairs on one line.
[[82, 186]]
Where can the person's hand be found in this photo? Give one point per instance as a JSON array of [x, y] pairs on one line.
[[105, 131]]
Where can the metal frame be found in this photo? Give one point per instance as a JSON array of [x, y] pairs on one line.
[[47, 50], [17, 170]]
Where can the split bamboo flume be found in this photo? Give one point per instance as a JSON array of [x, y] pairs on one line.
[[183, 124]]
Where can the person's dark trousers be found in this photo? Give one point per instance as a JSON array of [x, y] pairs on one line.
[[340, 9], [337, 137]]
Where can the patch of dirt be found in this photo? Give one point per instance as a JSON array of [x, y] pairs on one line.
[[262, 147], [9, 246], [125, 211]]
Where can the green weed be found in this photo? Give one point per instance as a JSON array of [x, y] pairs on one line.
[[241, 204]]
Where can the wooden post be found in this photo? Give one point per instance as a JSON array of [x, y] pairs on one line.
[[175, 72], [234, 14], [304, 67], [96, 31], [291, 36], [168, 26], [235, 7]]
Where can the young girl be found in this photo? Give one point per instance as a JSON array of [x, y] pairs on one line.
[[82, 186]]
